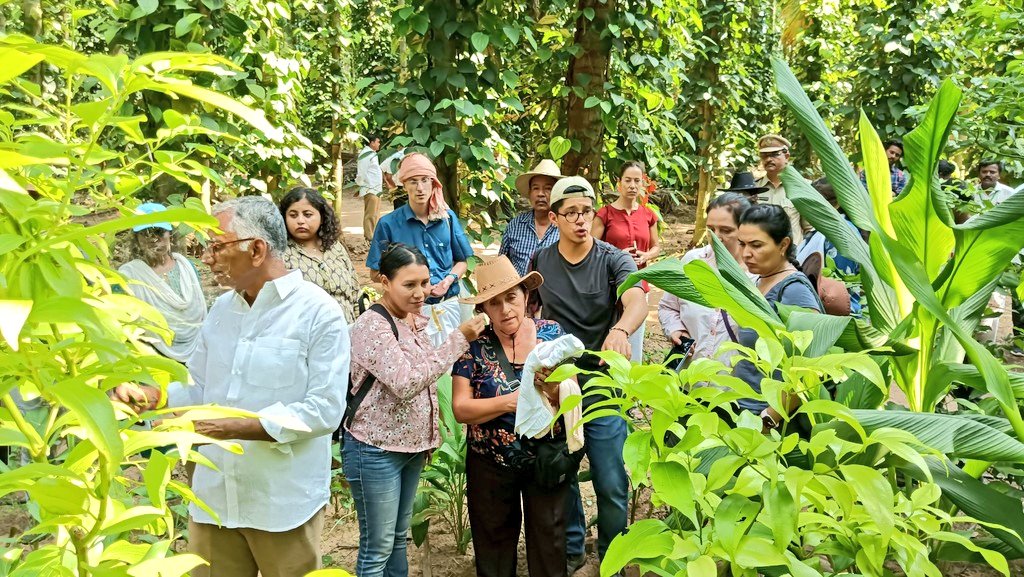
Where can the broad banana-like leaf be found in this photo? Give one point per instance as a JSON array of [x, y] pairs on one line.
[[857, 392], [917, 282], [876, 174], [977, 500], [827, 220], [698, 283], [945, 374], [952, 435], [916, 217], [666, 274], [852, 196], [948, 348], [985, 245]]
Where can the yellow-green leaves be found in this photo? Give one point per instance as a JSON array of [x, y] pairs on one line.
[[13, 314]]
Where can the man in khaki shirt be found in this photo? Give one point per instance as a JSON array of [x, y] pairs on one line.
[[774, 152]]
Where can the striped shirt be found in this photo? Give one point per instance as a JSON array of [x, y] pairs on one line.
[[519, 241]]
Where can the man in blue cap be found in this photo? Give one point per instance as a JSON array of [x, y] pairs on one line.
[[167, 281]]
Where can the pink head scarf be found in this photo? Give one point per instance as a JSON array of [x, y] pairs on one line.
[[417, 164]]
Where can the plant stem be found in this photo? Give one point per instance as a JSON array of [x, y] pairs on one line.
[[38, 448]]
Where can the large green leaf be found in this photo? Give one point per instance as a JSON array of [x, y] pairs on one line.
[[985, 245], [828, 221], [852, 196], [944, 374], [668, 275], [826, 329], [646, 539], [737, 277], [978, 500], [952, 435], [720, 294], [915, 214], [94, 411]]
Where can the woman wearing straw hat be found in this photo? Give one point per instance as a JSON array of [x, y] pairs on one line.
[[485, 393], [532, 230]]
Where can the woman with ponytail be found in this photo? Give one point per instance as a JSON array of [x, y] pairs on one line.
[[766, 246]]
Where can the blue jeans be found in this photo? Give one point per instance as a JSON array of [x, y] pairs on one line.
[[604, 438], [383, 487]]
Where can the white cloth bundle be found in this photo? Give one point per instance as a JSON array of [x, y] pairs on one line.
[[534, 412]]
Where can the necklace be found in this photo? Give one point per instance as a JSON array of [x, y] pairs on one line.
[[787, 269]]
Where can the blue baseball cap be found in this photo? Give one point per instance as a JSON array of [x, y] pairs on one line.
[[150, 208]]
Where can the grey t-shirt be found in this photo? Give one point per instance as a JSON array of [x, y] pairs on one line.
[[581, 297], [796, 290]]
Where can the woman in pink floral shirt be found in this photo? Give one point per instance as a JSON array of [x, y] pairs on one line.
[[395, 426]]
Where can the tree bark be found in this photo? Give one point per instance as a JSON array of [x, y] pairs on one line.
[[706, 153], [587, 74]]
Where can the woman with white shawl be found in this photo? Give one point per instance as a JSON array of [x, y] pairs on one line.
[[167, 281]]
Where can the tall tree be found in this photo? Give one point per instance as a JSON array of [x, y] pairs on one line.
[[587, 78]]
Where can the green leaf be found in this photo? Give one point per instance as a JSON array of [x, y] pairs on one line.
[[479, 40], [132, 519], [436, 148], [826, 330], [148, 7], [671, 482], [852, 196], [954, 435], [254, 117], [558, 147], [827, 220], [422, 106], [916, 212], [13, 314], [156, 475], [994, 559], [94, 412], [512, 34], [875, 493], [978, 500], [60, 496], [16, 63], [186, 24], [782, 514], [645, 539]]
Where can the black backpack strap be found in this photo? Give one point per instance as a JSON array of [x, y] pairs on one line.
[[353, 400]]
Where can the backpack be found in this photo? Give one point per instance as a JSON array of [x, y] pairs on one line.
[[832, 293], [353, 400]]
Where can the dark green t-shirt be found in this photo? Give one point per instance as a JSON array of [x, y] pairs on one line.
[[581, 297]]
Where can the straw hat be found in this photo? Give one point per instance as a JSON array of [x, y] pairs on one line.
[[545, 167], [498, 275]]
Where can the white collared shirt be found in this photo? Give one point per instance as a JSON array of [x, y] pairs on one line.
[[368, 174], [286, 358]]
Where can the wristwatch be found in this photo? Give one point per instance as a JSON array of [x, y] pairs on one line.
[[768, 420], [455, 277]]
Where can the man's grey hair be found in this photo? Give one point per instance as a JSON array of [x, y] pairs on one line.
[[256, 217]]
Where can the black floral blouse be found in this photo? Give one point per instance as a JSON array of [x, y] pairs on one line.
[[481, 366]]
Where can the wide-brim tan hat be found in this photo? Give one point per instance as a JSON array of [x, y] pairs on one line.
[[545, 167], [494, 277]]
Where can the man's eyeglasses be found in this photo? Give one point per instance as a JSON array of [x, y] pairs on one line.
[[775, 154], [214, 248], [574, 216]]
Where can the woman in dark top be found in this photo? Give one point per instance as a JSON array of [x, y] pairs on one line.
[[766, 245], [485, 395]]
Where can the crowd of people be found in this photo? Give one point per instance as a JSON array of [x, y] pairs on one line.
[[290, 344]]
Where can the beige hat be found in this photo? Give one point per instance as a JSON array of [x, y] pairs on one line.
[[494, 277], [571, 187], [772, 143], [545, 167]]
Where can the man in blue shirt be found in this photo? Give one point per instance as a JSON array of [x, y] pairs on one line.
[[532, 230], [427, 223], [897, 178]]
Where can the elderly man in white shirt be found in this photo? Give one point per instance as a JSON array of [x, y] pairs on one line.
[[277, 346], [370, 180]]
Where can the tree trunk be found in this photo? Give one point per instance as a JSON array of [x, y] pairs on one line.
[[587, 74], [337, 166], [706, 153]]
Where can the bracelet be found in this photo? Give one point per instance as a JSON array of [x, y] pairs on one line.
[[624, 331]]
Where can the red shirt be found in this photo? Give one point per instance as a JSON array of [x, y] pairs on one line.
[[625, 230]]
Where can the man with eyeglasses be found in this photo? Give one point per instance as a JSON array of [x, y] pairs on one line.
[[276, 346], [774, 152], [167, 281], [581, 276]]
